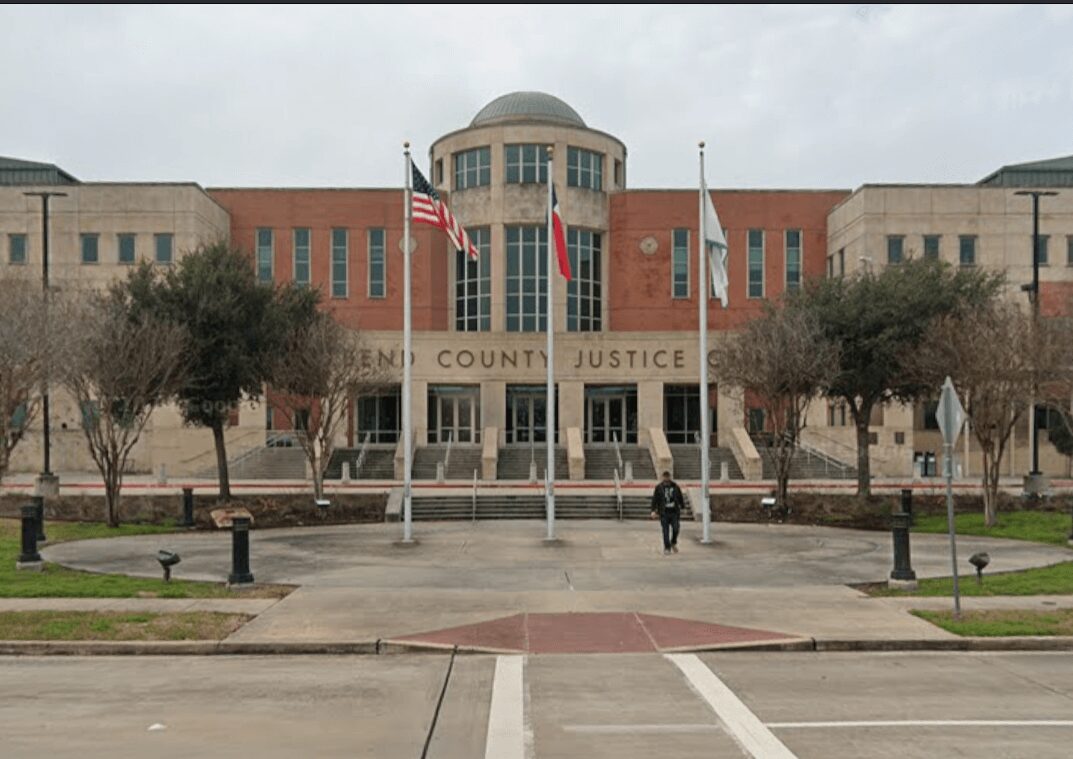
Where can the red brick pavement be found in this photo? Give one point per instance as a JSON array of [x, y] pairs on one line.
[[591, 632]]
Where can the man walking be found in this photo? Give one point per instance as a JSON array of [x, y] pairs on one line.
[[667, 503]]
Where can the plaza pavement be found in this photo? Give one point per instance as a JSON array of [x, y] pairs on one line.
[[361, 587]]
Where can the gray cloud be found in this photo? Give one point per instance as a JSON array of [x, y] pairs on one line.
[[309, 95]]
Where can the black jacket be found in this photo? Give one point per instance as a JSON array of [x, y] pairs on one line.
[[659, 501]]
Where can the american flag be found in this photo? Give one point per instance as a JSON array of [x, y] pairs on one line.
[[429, 209]]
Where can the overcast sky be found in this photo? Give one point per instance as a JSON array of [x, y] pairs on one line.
[[785, 96]]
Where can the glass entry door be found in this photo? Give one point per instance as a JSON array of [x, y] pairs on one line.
[[454, 413], [611, 414], [527, 414]]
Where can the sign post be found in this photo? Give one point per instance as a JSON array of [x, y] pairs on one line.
[[951, 416]]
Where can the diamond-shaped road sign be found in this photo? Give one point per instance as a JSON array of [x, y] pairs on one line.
[[950, 414]]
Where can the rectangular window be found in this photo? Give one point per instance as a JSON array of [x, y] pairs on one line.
[[377, 264], [527, 279], [584, 168], [756, 263], [439, 172], [473, 168], [89, 249], [836, 415], [16, 249], [473, 284], [681, 414], [830, 266], [584, 296], [162, 246], [1042, 252], [793, 260], [301, 256], [895, 249], [265, 254], [931, 247], [967, 250], [339, 263], [620, 181], [680, 263], [841, 261], [526, 164], [1069, 250], [125, 248], [380, 417]]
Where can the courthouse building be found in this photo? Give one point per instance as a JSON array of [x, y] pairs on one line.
[[626, 325]]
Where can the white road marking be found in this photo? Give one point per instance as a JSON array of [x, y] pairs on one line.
[[929, 723], [700, 727], [741, 724], [506, 716]]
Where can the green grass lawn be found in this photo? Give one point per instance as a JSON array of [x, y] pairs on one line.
[[1003, 623], [1042, 581], [58, 582], [117, 625], [1038, 526]]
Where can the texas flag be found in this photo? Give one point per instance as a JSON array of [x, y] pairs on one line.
[[560, 236]]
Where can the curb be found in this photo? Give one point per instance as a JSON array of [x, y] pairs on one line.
[[394, 648]]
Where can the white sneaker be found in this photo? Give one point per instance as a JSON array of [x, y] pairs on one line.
[[666, 551], [674, 549]]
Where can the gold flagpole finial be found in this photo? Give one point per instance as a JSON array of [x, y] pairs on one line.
[[551, 151], [701, 144], [406, 145]]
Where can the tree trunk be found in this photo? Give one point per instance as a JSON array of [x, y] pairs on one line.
[[221, 461], [318, 477], [991, 478], [864, 474], [112, 485]]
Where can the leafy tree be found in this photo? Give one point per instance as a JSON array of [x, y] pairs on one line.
[[23, 357], [783, 358], [996, 358], [878, 319], [119, 364], [314, 381], [237, 330]]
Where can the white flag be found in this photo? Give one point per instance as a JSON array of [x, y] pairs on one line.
[[715, 242]]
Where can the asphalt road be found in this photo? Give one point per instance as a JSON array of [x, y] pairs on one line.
[[767, 706]]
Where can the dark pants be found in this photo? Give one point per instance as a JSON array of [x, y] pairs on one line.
[[669, 521]]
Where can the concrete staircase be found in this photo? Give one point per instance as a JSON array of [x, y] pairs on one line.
[[531, 506], [379, 463], [464, 459], [809, 464], [687, 463], [514, 462], [601, 462], [268, 464]]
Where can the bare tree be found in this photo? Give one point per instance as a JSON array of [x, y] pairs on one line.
[[997, 360], [119, 366], [23, 357], [784, 359], [314, 381]]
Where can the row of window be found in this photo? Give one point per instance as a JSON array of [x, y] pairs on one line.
[[265, 258], [124, 247], [680, 267], [966, 249], [527, 164]]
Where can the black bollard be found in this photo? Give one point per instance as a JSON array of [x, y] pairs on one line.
[[29, 557], [39, 504], [907, 504], [188, 508], [240, 552], [903, 572]]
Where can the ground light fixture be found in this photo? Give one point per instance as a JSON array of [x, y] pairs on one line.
[[167, 559], [980, 560]]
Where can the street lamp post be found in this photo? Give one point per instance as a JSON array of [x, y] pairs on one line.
[[47, 482], [1034, 484]]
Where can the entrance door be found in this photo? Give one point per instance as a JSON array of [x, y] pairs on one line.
[[527, 414], [610, 415], [454, 414]]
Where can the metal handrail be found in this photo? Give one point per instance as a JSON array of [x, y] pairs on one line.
[[360, 462], [474, 517], [618, 451], [618, 496], [447, 456]]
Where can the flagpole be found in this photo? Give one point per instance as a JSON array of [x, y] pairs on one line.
[[702, 313], [549, 435], [407, 425]]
